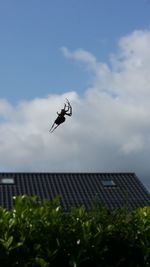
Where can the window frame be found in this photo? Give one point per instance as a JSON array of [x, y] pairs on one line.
[[108, 183], [7, 181]]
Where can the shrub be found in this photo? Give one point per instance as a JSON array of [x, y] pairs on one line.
[[38, 233]]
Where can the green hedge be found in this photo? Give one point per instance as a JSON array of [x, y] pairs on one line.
[[41, 234]]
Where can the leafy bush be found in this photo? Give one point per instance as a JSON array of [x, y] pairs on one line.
[[35, 234]]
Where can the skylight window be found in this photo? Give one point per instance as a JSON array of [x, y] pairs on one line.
[[108, 183], [7, 180]]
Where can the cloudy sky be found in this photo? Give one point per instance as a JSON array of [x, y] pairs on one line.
[[96, 53]]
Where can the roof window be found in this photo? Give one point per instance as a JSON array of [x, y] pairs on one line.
[[7, 180], [108, 183]]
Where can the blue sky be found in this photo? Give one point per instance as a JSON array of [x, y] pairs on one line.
[[32, 33], [97, 54]]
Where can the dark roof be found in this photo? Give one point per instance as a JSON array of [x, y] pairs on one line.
[[110, 189]]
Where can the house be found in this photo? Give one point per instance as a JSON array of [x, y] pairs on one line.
[[112, 190]]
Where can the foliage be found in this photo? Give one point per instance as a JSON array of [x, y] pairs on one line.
[[40, 234]]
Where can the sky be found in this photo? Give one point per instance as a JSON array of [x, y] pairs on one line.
[[96, 53]]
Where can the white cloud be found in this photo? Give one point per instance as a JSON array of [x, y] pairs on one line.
[[82, 56], [109, 129]]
